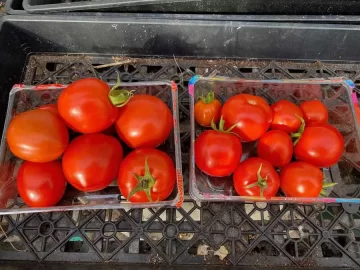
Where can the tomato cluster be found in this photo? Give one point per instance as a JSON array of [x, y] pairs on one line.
[[95, 157], [292, 144]]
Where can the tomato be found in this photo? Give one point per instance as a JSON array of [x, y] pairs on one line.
[[217, 152], [256, 177], [276, 147], [250, 114], [91, 161], [314, 112], [301, 179], [50, 107], [207, 109], [41, 184], [146, 175], [85, 106], [320, 144], [37, 136], [357, 110], [286, 116], [145, 121]]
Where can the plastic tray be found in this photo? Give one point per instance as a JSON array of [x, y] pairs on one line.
[[23, 98], [45, 6], [335, 94]]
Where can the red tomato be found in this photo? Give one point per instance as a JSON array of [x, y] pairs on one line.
[[207, 109], [301, 179], [51, 108], [145, 121], [91, 161], [149, 168], [276, 147], [41, 184], [357, 110], [314, 112], [286, 116], [85, 106], [256, 177], [217, 153], [37, 136], [320, 144], [251, 114]]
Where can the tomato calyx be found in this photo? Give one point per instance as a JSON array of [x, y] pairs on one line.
[[120, 97], [325, 186], [145, 183], [297, 135], [210, 97], [221, 126], [261, 182]]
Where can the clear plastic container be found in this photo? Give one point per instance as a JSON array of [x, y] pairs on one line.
[[335, 94], [23, 98]]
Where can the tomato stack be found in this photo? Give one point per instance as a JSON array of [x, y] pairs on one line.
[[291, 144], [103, 120]]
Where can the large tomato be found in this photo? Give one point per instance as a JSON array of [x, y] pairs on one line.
[[314, 112], [91, 162], [301, 179], [320, 144], [37, 136], [146, 175], [207, 109], [41, 184], [145, 121], [250, 114], [85, 106], [286, 116], [276, 147], [217, 152], [256, 177]]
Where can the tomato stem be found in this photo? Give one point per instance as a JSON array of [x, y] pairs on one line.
[[145, 183], [120, 97], [261, 182], [208, 98], [297, 135], [325, 186], [221, 126]]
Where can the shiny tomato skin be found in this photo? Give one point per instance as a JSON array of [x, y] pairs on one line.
[[314, 112], [41, 184], [51, 108], [320, 144], [37, 136], [286, 116], [276, 147], [204, 113], [217, 153], [145, 121], [85, 106], [301, 179], [91, 162], [246, 174], [251, 114], [161, 168]]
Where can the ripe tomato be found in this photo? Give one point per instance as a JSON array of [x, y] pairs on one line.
[[217, 153], [301, 179], [50, 107], [250, 114], [207, 109], [320, 144], [276, 147], [145, 121], [314, 112], [37, 136], [286, 116], [85, 106], [91, 161], [41, 184], [146, 175], [256, 177]]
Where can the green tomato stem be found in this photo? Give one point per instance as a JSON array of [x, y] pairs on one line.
[[210, 97], [261, 182], [119, 97]]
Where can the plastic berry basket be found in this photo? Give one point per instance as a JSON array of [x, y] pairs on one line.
[[23, 98], [336, 95]]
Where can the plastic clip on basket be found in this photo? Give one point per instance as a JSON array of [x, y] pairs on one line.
[[335, 94], [23, 98]]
